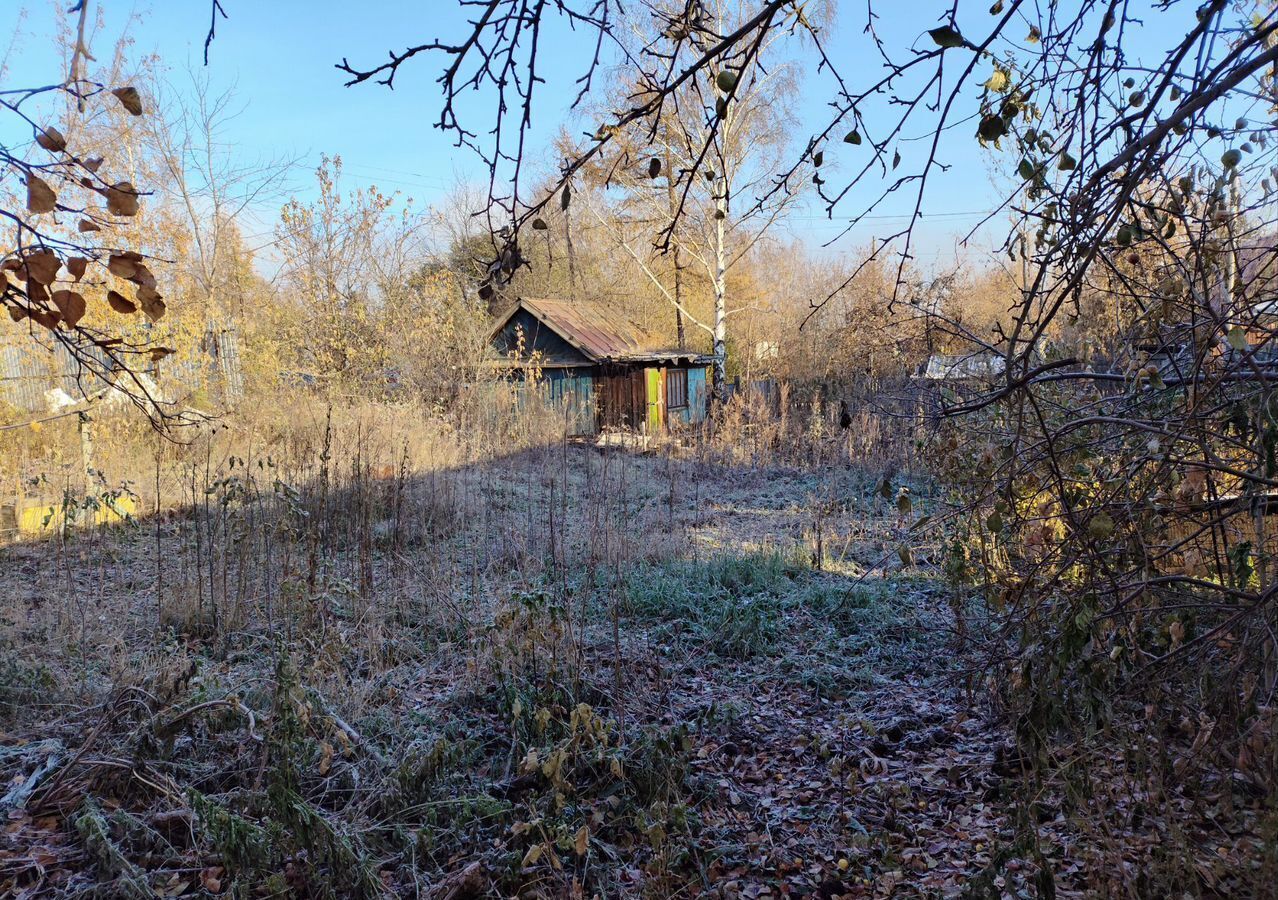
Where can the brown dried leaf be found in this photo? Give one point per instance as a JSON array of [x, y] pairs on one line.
[[121, 266], [176, 886], [130, 99], [77, 266], [86, 225], [37, 293], [42, 266], [40, 197], [121, 303], [142, 276], [93, 163], [71, 305], [157, 354], [122, 199], [16, 312], [533, 854], [211, 879], [51, 139], [152, 304]]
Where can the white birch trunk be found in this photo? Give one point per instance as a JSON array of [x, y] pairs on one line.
[[720, 372]]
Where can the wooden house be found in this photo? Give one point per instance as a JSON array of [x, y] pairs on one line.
[[604, 368]]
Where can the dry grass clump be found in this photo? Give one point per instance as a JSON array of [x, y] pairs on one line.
[[778, 424]]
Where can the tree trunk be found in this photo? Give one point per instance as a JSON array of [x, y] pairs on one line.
[[572, 257], [673, 205], [678, 294], [720, 370]]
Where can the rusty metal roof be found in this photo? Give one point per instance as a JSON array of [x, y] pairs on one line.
[[600, 332]]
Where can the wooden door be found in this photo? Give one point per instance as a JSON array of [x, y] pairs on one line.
[[622, 400]]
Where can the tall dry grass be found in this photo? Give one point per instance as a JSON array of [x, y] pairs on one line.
[[298, 565]]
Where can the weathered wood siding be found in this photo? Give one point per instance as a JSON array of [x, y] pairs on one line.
[[634, 397], [572, 393], [660, 414], [698, 393], [537, 338], [622, 396]]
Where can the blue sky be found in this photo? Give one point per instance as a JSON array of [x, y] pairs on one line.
[[279, 57], [280, 54]]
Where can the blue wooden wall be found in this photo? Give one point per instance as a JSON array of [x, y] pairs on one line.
[[695, 411], [698, 393], [536, 338], [572, 392]]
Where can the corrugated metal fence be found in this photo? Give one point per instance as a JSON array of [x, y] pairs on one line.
[[31, 368], [212, 368]]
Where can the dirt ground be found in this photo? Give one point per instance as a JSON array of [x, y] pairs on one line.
[[573, 672]]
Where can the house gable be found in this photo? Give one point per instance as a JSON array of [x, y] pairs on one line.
[[524, 334]]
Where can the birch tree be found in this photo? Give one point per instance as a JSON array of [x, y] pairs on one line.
[[699, 176]]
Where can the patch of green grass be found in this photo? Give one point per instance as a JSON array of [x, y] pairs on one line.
[[882, 627], [729, 605], [856, 609]]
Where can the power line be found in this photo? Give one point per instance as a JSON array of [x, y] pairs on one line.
[[398, 172], [886, 217]]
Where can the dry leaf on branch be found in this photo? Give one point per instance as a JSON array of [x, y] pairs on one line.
[[51, 139], [37, 293], [130, 99], [121, 303], [122, 199], [71, 305], [122, 266], [48, 318], [152, 304], [41, 266], [40, 197], [142, 276]]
